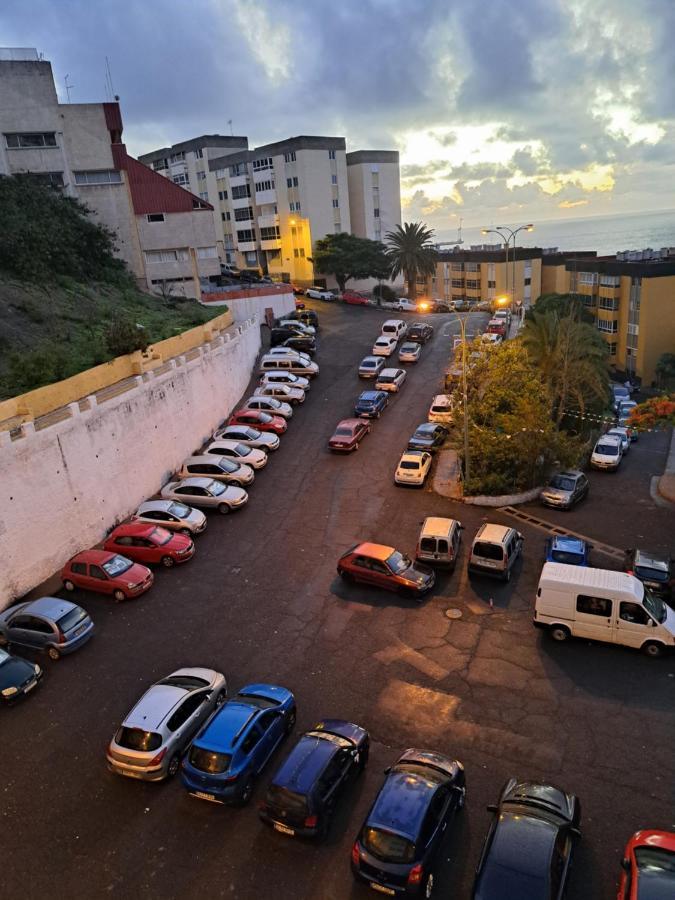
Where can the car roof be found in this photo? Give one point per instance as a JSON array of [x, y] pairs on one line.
[[137, 529], [612, 438], [196, 481], [223, 728], [93, 556], [49, 607], [394, 321], [521, 849], [494, 533], [412, 454], [435, 526], [349, 423], [370, 395], [377, 551], [402, 802], [370, 359], [652, 560], [442, 400], [570, 473], [427, 426], [390, 372], [387, 338], [154, 706], [155, 505], [305, 763], [568, 544]]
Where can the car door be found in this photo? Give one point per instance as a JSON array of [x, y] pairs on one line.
[[632, 627], [380, 574], [186, 719], [361, 569], [98, 580], [332, 780], [593, 617], [560, 862], [21, 631], [271, 725], [434, 825]]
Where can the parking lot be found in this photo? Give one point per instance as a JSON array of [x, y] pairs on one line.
[[261, 601]]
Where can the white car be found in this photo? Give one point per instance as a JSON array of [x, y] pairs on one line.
[[319, 293], [370, 366], [489, 341], [413, 468], [241, 453], [251, 437], [288, 353], [206, 492], [607, 453], [390, 380], [300, 327], [269, 404], [283, 393], [294, 381], [218, 467], [441, 409], [171, 515], [409, 352], [406, 305], [624, 434], [384, 345]]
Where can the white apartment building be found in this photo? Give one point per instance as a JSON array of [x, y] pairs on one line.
[[374, 192]]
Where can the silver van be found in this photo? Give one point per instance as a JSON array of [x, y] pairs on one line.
[[439, 540], [495, 550], [299, 366]]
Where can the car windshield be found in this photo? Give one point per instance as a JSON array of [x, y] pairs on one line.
[[270, 401], [398, 562], [209, 761], [565, 556], [179, 510], [264, 417], [117, 565], [137, 739], [388, 846], [282, 798], [227, 465], [562, 483], [422, 434], [410, 464], [655, 606], [242, 450], [252, 434], [71, 619], [215, 488], [648, 574], [607, 449], [160, 536]]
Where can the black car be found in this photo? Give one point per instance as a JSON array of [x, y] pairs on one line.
[[397, 848], [306, 316], [655, 570], [528, 849], [420, 332], [17, 676], [302, 796], [429, 436], [287, 337]]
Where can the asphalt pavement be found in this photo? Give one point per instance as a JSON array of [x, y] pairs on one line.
[[261, 601]]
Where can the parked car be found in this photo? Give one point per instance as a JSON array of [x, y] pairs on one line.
[[439, 541], [220, 468], [545, 820], [390, 380], [259, 420], [298, 365], [206, 492], [371, 366], [383, 566], [319, 293], [297, 289], [106, 573], [420, 332], [235, 745], [395, 328], [371, 404], [619, 393], [306, 788], [625, 421], [268, 401], [286, 378], [150, 544], [308, 316], [406, 305], [441, 409], [429, 436], [655, 570], [498, 326], [250, 437], [489, 341], [398, 846], [413, 468], [299, 304], [297, 325], [563, 548], [286, 394], [50, 623], [504, 315], [18, 677], [151, 740], [241, 453], [384, 345], [625, 407], [172, 515], [648, 867], [495, 550], [624, 434], [347, 435], [565, 489], [607, 453], [355, 298], [409, 352], [288, 353], [287, 337]]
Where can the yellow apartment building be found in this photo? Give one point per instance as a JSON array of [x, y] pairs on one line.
[[555, 277]]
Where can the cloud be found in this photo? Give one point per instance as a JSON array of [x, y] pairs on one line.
[[570, 204]]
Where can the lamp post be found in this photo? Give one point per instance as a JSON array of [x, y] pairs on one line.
[[512, 232], [465, 405], [506, 254]]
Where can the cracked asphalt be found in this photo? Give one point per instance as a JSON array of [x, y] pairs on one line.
[[261, 601]]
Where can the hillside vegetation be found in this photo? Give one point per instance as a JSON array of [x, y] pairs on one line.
[[66, 302]]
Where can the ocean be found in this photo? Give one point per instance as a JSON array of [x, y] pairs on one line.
[[605, 234]]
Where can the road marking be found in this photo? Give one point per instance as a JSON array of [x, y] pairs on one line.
[[536, 522], [402, 652]]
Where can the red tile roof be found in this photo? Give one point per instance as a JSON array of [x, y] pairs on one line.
[[153, 193]]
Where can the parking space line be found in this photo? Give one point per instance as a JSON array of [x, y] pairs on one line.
[[536, 522]]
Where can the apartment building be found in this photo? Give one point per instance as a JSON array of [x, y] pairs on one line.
[[374, 182], [632, 297], [77, 148], [555, 277]]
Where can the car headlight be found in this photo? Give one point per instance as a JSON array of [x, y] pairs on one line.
[[10, 691], [37, 669], [131, 584]]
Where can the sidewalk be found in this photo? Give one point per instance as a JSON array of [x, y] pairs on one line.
[[447, 477], [666, 483]]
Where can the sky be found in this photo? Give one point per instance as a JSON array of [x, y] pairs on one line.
[[502, 110]]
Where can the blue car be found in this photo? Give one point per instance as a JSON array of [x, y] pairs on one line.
[[236, 743], [398, 846], [51, 624], [569, 550], [371, 404]]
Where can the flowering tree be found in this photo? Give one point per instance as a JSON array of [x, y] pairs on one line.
[[655, 413]]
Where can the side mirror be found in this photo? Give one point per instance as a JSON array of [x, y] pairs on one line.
[[491, 807], [625, 864], [650, 623]]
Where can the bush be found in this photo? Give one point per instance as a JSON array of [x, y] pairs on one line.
[[123, 336], [383, 292]]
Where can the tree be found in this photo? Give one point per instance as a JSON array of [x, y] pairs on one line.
[[563, 305], [346, 256], [410, 251], [665, 369], [655, 413], [383, 293]]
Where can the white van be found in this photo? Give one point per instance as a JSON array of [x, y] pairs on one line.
[[607, 453], [395, 328], [439, 540], [601, 605]]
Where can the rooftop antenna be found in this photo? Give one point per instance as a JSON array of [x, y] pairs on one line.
[[229, 122], [108, 78], [69, 87]]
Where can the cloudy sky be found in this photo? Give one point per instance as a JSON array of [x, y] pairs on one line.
[[509, 110]]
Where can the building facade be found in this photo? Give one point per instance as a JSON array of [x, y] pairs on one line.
[[555, 277], [374, 192]]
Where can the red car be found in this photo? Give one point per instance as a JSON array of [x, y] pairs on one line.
[[255, 418], [348, 433], [299, 304], [385, 567], [354, 298], [497, 326], [106, 573], [150, 544], [648, 866]]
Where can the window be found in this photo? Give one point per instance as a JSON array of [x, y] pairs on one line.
[[204, 195], [264, 163], [270, 234], [30, 140], [594, 606], [528, 281], [588, 277], [299, 253], [492, 284], [225, 216], [245, 214], [50, 179], [155, 217], [612, 348], [240, 191], [472, 284], [201, 176], [159, 165], [331, 154], [176, 157], [164, 256], [251, 258], [264, 185], [207, 253], [289, 157], [199, 153], [97, 572], [189, 706], [222, 195], [180, 179], [338, 227], [294, 207], [633, 612], [610, 280], [103, 176], [611, 326], [250, 740], [237, 169], [220, 173], [457, 283], [336, 203], [247, 234], [292, 182], [78, 568], [608, 303], [333, 179]]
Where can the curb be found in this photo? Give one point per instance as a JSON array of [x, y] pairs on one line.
[[505, 499]]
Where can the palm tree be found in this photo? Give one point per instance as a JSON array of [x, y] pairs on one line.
[[410, 251]]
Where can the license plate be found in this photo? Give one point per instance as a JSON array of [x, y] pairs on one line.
[[204, 796], [382, 889], [130, 774], [284, 829], [489, 563], [80, 631]]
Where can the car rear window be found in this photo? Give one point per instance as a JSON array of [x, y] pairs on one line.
[[209, 761], [72, 619], [282, 798], [651, 574], [564, 556], [137, 739], [440, 408], [387, 846], [428, 545], [410, 464], [488, 551]]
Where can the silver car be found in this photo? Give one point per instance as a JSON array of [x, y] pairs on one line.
[[171, 515], [206, 492], [409, 352], [152, 739], [219, 467], [284, 393], [256, 459], [371, 366], [294, 381], [244, 434], [565, 489], [268, 403]]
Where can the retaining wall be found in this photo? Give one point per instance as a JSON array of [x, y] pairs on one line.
[[244, 304], [63, 487]]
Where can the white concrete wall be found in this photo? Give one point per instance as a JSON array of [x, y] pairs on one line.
[[243, 308], [64, 487]]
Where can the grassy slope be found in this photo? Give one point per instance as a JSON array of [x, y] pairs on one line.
[[54, 331]]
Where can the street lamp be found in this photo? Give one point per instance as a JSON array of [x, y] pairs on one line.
[[512, 232], [462, 331]]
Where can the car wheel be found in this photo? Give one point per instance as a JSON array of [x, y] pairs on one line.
[[223, 509], [428, 888], [69, 586], [174, 766], [185, 531], [653, 649], [168, 561], [559, 633], [54, 653], [246, 791], [290, 722], [119, 595]]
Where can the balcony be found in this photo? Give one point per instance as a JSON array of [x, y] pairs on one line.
[[268, 221], [272, 244], [241, 202], [610, 291], [587, 289], [263, 197], [246, 246], [236, 180]]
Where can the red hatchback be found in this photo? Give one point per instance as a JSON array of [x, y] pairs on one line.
[[150, 544], [106, 573], [255, 418], [354, 298], [648, 866], [348, 433]]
